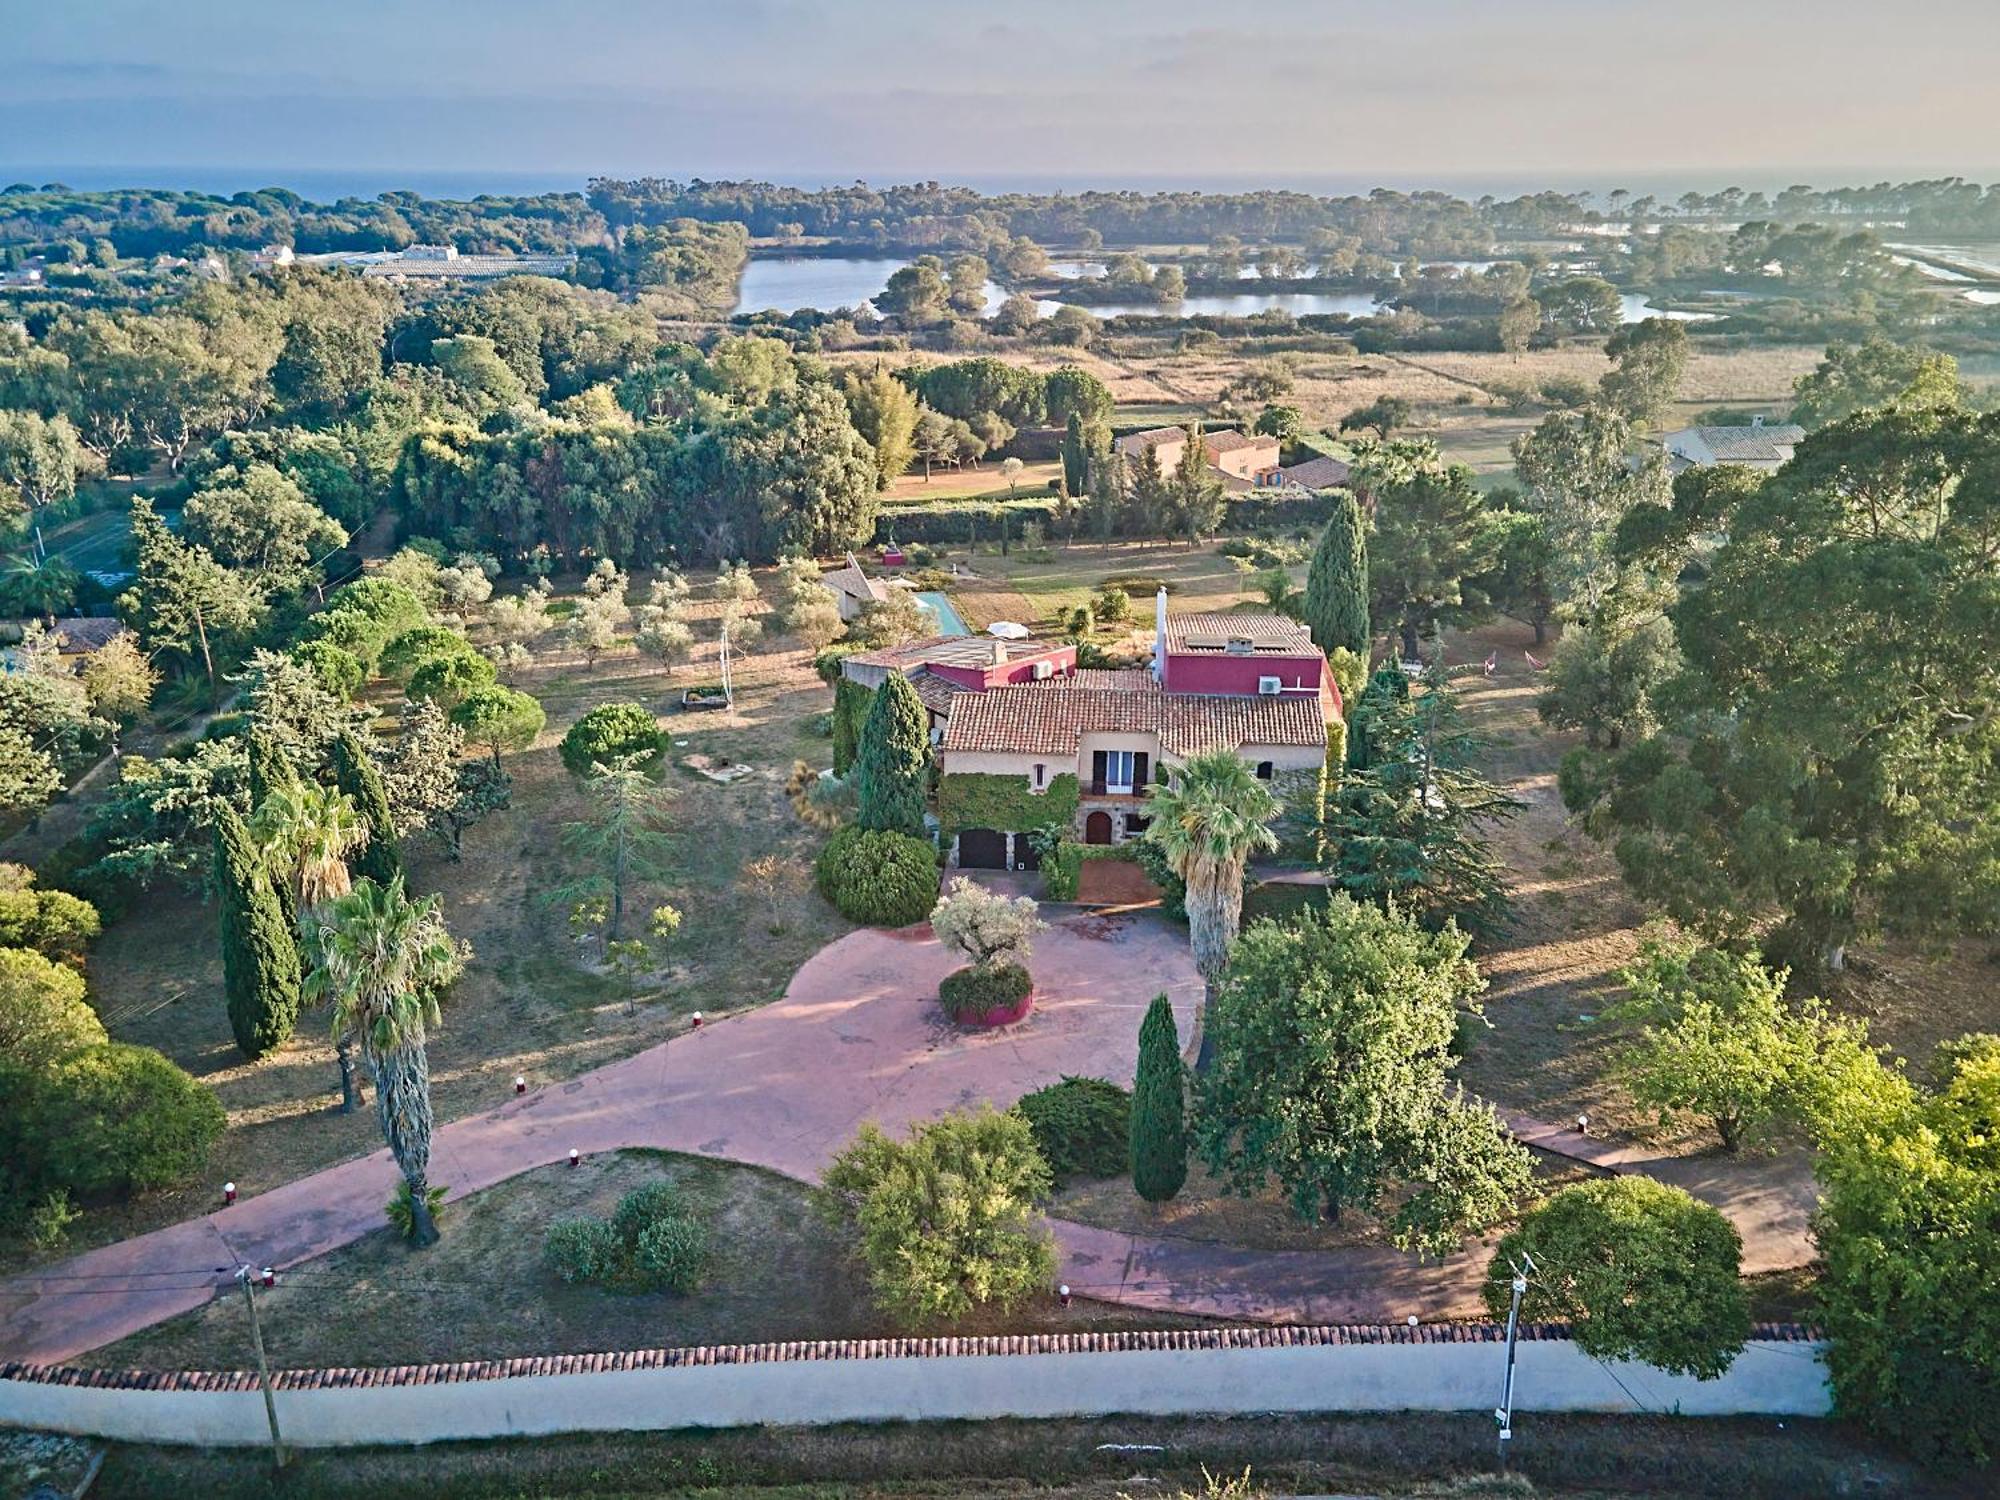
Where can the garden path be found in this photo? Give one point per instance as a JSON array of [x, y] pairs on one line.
[[856, 1038]]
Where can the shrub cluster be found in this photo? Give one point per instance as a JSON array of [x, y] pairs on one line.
[[943, 1221], [973, 991], [1082, 1127], [106, 1121], [651, 1243], [81, 1116], [878, 877]]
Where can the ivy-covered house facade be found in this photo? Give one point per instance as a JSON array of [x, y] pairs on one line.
[[1029, 745], [1075, 753]]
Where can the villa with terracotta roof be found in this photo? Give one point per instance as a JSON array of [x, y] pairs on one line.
[[1237, 458], [1026, 739]]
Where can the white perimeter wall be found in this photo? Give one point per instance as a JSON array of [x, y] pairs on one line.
[[1774, 1378]]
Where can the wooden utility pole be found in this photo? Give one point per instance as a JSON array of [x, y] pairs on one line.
[[1504, 1413], [246, 1277]]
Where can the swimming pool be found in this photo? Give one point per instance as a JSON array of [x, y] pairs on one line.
[[944, 612]]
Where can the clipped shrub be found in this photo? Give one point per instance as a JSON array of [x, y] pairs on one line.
[[581, 1249], [671, 1253], [972, 992], [877, 877], [117, 1119], [1082, 1127], [608, 732], [943, 1221]]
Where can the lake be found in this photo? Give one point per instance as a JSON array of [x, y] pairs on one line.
[[827, 282], [786, 284]]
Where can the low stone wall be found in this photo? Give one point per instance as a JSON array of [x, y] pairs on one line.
[[1221, 1371]]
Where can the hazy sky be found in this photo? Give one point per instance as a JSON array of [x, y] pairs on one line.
[[1414, 90]]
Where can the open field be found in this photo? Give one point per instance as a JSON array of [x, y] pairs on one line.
[[482, 1291], [1038, 592], [961, 484], [1111, 1458]]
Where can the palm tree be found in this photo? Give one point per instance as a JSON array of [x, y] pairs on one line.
[[379, 959], [306, 833], [1207, 823], [46, 587]]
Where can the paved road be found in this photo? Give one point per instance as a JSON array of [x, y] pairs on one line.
[[857, 1037]]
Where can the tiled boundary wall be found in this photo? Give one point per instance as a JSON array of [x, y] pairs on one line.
[[1227, 1371]]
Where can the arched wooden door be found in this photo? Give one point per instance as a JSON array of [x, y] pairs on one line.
[[1097, 828]]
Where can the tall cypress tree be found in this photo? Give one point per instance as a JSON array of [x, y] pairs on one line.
[[355, 774], [260, 961], [895, 754], [1159, 1125], [1336, 607], [270, 767]]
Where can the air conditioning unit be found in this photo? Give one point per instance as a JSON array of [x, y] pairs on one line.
[[1269, 686], [1044, 670]]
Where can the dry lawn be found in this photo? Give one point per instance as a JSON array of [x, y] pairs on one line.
[[1205, 1209], [529, 1003], [1437, 1454], [1038, 591], [482, 1291]]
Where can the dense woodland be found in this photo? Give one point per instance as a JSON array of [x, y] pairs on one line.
[[149, 221]]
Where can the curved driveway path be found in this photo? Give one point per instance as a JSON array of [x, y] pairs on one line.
[[857, 1037]]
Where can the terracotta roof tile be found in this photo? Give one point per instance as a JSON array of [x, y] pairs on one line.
[[1211, 633], [961, 1346], [854, 583], [1320, 473], [933, 691], [950, 651], [1050, 718]]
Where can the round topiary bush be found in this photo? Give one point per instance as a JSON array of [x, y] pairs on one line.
[[975, 996], [608, 732], [1083, 1127], [878, 877]]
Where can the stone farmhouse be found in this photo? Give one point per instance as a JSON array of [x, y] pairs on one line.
[[1026, 739], [1237, 458], [1763, 446]]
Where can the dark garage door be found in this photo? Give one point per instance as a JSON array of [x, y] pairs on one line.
[[982, 849]]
